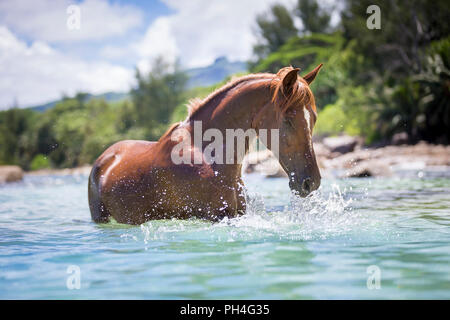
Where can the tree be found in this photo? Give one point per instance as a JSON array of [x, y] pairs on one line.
[[314, 18], [407, 27], [406, 63], [156, 97], [274, 29], [13, 124]]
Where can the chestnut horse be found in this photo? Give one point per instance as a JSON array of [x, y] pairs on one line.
[[135, 181]]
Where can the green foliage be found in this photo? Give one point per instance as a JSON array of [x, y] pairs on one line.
[[72, 133], [39, 161], [274, 29], [422, 101], [434, 82], [352, 113], [407, 28], [331, 121], [375, 83], [302, 51], [77, 130], [313, 17], [156, 97], [13, 124]]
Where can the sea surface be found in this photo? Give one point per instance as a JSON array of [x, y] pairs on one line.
[[361, 238]]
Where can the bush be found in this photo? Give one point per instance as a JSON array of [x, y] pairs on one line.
[[332, 120], [40, 161]]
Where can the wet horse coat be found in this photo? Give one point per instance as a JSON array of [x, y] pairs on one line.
[[136, 181]]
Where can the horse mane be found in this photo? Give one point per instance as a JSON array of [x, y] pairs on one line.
[[300, 93], [196, 104], [170, 130]]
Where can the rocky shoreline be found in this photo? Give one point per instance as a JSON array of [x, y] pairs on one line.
[[340, 157], [346, 157], [386, 160], [15, 173], [10, 174], [83, 170]]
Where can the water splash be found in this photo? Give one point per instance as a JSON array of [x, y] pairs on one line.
[[321, 215]]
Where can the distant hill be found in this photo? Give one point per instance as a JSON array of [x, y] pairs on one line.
[[108, 96], [198, 77], [216, 72]]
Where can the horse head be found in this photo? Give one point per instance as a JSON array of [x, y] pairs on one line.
[[295, 118]]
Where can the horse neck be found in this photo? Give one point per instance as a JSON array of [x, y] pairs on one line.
[[235, 108]]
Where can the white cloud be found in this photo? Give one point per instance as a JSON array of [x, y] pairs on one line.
[[157, 41], [37, 73], [201, 30], [197, 33], [46, 20]]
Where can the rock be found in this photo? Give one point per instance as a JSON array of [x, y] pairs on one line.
[[346, 161], [399, 139], [263, 162], [362, 162], [272, 169], [342, 144], [369, 168], [10, 174], [83, 170], [321, 150], [251, 160]]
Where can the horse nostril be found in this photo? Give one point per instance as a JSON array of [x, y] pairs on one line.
[[307, 185]]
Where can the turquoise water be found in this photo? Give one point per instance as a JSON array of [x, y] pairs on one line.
[[283, 248]]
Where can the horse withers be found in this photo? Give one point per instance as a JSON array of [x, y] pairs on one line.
[[135, 181]]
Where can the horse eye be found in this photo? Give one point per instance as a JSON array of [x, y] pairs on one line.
[[289, 122]]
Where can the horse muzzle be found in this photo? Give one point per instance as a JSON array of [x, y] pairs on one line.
[[305, 186]]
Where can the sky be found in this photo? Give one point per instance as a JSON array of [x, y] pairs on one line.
[[49, 48]]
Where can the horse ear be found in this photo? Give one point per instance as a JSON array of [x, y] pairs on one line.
[[312, 75], [289, 80]]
